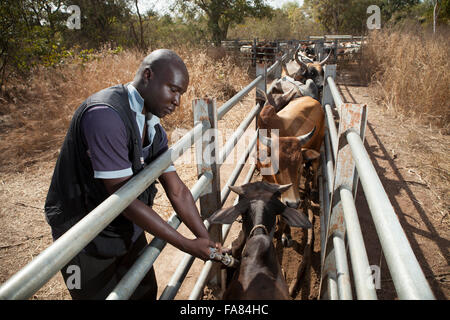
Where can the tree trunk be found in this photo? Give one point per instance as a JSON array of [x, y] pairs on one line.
[[434, 16], [142, 45]]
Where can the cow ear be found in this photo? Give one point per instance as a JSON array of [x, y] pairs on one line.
[[309, 154], [296, 218], [227, 215]]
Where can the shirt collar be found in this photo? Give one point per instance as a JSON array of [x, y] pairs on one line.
[[135, 99], [137, 104]]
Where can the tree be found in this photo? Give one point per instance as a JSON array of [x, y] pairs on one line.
[[102, 21], [29, 33], [221, 14]]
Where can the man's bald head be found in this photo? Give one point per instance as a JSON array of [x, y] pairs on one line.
[[159, 60], [161, 80]]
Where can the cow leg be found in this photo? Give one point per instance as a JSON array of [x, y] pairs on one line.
[[283, 231], [286, 237], [315, 170]]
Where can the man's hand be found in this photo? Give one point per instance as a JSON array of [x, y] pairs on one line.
[[200, 248]]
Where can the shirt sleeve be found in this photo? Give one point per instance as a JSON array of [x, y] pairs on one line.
[[161, 145], [106, 137]]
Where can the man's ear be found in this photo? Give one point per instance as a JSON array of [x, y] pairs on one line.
[[148, 73]]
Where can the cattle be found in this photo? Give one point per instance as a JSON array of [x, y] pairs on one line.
[[266, 52], [301, 130], [285, 89], [301, 71], [259, 275]]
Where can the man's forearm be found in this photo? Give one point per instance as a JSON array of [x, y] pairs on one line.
[[186, 209]]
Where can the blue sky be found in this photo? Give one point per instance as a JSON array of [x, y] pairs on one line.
[[162, 6]]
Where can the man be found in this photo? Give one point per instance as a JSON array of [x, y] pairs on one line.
[[112, 136]]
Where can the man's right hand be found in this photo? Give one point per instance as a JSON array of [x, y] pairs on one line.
[[200, 247]]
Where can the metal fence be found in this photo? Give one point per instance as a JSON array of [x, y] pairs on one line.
[[344, 158], [42, 268]]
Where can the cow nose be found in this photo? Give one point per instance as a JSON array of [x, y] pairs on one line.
[[293, 204]]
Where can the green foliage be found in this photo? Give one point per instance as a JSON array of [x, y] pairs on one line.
[[34, 32], [223, 14], [341, 16], [290, 22]]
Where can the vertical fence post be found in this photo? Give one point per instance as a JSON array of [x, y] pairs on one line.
[[335, 256], [254, 52], [261, 70], [207, 154], [318, 48], [327, 98]]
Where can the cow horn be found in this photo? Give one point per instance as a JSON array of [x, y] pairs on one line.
[[305, 57], [306, 137], [325, 60], [268, 97], [284, 187], [300, 62]]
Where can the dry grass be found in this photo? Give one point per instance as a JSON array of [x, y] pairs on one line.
[[411, 72], [35, 114]]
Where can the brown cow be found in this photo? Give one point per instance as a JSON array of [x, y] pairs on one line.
[[301, 115], [259, 276]]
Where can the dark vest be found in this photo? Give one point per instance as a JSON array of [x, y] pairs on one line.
[[74, 192]]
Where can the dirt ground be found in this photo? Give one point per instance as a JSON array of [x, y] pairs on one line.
[[421, 206]]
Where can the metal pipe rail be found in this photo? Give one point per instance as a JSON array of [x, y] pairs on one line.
[[175, 282], [238, 97], [344, 158], [408, 277], [201, 281], [130, 281], [335, 93], [35, 274]]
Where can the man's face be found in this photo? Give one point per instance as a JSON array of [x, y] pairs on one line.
[[163, 90]]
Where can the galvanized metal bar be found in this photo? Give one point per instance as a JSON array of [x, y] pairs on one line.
[[34, 275], [322, 214], [206, 152], [176, 281], [358, 255], [332, 288], [335, 255], [335, 93], [332, 129], [232, 141], [342, 271], [408, 277], [329, 165], [327, 97], [236, 98], [201, 281], [261, 70], [237, 170], [130, 281]]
